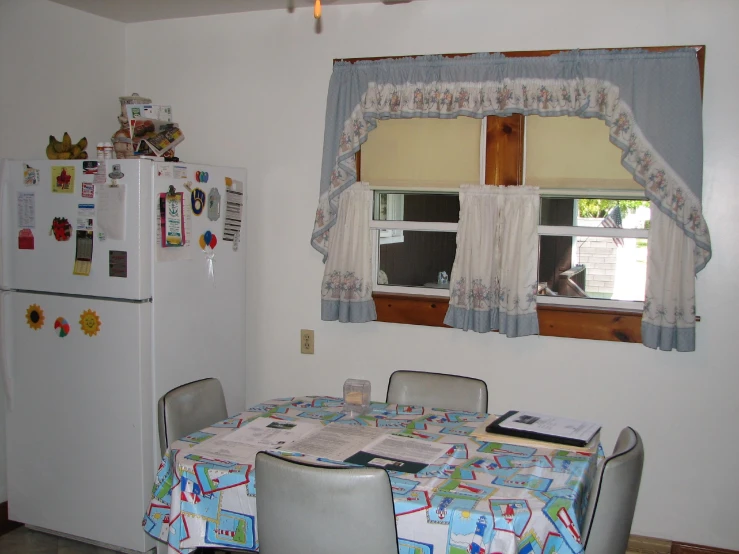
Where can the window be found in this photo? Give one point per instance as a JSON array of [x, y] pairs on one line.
[[505, 163], [584, 265], [421, 261]]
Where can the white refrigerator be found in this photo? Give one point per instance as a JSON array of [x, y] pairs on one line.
[[100, 316]]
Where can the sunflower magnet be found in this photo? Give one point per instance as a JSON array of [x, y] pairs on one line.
[[90, 323], [35, 317]]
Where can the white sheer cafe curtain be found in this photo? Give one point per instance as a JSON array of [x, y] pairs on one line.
[[494, 276], [668, 321], [346, 292]]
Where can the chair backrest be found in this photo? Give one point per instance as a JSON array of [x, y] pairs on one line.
[[331, 510], [613, 497], [189, 408], [438, 390]]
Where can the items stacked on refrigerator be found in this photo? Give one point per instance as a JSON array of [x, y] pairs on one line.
[[146, 129]]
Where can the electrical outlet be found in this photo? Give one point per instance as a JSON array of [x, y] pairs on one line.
[[306, 341]]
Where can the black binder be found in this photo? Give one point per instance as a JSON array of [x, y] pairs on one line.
[[495, 427]]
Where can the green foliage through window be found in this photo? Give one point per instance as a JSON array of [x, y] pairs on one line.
[[599, 207]]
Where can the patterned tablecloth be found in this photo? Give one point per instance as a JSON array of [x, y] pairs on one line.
[[483, 498]]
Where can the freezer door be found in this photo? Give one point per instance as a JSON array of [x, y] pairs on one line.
[[200, 319], [32, 257], [80, 456]]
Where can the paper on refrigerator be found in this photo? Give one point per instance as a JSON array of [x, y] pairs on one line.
[[111, 210]]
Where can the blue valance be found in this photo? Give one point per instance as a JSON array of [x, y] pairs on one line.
[[651, 101]]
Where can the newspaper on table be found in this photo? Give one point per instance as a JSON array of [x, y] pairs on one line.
[[242, 445], [337, 442], [396, 453], [370, 446]]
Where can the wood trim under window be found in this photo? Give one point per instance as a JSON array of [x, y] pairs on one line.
[[504, 166], [554, 321]]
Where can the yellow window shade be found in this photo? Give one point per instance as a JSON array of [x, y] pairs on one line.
[[422, 153], [572, 152]]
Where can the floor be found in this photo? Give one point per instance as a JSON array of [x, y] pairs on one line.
[[25, 541]]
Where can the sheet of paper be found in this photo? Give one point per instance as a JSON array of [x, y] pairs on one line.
[[337, 442], [223, 450], [407, 449], [551, 425], [26, 210], [234, 209], [272, 434], [111, 210], [85, 216]]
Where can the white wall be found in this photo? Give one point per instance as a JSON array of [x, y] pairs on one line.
[[62, 70], [251, 89]]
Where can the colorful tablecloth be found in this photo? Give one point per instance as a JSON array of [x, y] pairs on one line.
[[483, 498]]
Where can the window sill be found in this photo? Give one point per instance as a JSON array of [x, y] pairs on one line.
[[554, 321]]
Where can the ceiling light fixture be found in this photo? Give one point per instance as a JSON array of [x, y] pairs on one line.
[[317, 10]]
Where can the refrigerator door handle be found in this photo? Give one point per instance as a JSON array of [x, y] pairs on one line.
[[5, 366]]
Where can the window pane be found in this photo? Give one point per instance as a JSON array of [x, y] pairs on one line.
[[595, 212], [393, 206], [593, 267], [417, 260]]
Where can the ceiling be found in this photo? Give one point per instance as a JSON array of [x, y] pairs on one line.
[[134, 11]]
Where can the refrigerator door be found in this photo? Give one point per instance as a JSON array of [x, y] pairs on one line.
[[120, 266], [199, 321], [79, 435]]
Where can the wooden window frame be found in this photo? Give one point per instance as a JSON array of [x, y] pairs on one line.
[[504, 166]]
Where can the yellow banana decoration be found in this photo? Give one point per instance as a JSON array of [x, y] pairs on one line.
[[50, 152], [65, 150], [66, 143], [58, 147]]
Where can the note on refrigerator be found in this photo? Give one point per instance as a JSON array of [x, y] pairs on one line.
[[26, 210], [111, 210]]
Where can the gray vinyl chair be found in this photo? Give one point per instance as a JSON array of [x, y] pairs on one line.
[[613, 497], [189, 408], [438, 390], [331, 510]]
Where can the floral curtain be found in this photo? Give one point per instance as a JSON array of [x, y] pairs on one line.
[[651, 102], [494, 276], [346, 294], [669, 305]]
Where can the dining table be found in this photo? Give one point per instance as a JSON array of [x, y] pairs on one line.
[[478, 497]]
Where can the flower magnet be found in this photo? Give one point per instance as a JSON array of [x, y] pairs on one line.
[[90, 323], [35, 317]]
